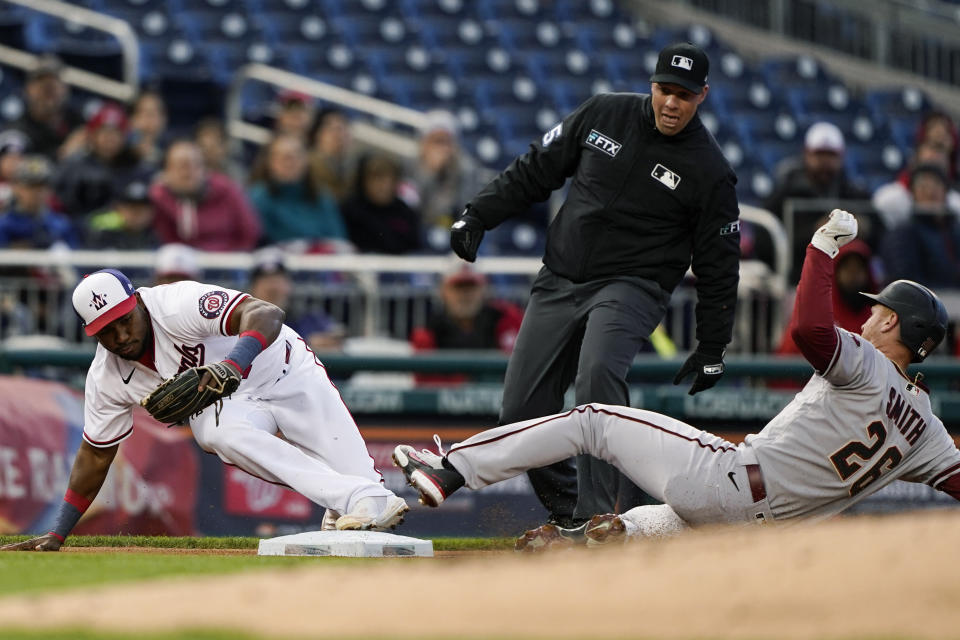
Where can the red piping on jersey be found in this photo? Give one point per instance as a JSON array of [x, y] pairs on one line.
[[106, 443], [943, 475], [228, 312], [595, 410]]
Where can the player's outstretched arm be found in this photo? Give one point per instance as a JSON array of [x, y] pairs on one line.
[[90, 469], [258, 324]]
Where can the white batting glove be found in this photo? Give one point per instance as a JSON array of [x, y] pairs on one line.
[[840, 229]]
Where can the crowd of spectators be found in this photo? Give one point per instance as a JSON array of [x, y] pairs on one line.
[[121, 179], [309, 188]]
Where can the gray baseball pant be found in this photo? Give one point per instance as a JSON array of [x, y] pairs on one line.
[[704, 478], [587, 334]]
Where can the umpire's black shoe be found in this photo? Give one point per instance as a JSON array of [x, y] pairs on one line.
[[425, 471]]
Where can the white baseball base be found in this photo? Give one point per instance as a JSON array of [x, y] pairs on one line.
[[346, 544]]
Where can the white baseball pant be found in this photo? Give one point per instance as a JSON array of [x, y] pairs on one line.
[[321, 454]]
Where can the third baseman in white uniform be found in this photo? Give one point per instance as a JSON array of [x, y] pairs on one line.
[[153, 333], [859, 424]]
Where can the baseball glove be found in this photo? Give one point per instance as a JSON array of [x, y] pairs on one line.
[[177, 398]]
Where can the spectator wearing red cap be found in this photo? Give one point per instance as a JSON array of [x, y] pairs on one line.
[[89, 180], [202, 209], [467, 319], [293, 114]]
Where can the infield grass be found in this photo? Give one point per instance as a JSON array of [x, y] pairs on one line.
[[24, 572]]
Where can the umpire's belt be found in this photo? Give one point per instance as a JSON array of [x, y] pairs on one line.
[[755, 478]]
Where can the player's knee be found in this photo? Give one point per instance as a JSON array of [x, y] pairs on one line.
[[213, 440]]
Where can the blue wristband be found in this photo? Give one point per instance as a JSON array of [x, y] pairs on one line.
[[66, 520], [243, 353]]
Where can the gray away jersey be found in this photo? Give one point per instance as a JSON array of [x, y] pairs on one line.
[[851, 431]]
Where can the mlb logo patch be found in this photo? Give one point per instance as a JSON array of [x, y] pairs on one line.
[[603, 143], [683, 62], [666, 177]]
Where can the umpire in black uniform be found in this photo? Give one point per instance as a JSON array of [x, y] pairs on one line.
[[651, 191]]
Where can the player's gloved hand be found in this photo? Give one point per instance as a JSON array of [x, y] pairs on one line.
[[465, 236], [707, 363], [840, 229], [46, 542]]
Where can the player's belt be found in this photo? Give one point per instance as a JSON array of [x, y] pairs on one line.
[[755, 478]]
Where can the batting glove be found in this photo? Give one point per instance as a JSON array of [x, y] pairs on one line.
[[840, 229], [707, 363], [465, 236]]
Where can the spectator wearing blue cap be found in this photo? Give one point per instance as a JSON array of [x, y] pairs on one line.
[[127, 225]]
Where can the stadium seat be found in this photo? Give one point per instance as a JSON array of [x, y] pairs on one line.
[[104, 58], [494, 10]]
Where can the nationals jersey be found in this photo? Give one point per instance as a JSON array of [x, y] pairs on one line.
[[852, 430], [189, 321]]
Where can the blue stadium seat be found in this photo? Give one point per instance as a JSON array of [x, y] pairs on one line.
[[897, 103], [104, 58], [792, 71], [283, 28], [494, 10]]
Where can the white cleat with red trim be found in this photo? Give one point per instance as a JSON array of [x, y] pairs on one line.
[[426, 472]]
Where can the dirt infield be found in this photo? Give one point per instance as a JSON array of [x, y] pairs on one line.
[[853, 578]]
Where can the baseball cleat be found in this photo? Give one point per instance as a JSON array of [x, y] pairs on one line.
[[550, 537], [366, 516], [606, 528], [426, 473]]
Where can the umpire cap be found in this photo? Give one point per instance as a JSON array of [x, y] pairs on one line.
[[923, 318]]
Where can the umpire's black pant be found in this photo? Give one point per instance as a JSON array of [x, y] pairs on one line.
[[589, 334]]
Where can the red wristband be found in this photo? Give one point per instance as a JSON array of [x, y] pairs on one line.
[[259, 336], [77, 500]]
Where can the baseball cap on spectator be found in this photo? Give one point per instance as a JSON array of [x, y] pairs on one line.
[[465, 275], [824, 136], [289, 96], [682, 63], [109, 115], [439, 120], [47, 65], [268, 261], [33, 170], [932, 169], [134, 192], [176, 262], [102, 297]]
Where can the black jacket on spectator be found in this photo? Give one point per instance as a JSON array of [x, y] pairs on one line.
[[45, 140], [640, 203], [85, 183]]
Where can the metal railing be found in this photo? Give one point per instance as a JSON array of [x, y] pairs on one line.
[[370, 295], [401, 145], [123, 91]]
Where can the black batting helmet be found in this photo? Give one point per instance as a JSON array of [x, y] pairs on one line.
[[923, 318]]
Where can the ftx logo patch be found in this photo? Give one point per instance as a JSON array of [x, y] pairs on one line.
[[668, 178], [602, 142]]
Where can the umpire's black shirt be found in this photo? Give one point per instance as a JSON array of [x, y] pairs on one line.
[[640, 203]]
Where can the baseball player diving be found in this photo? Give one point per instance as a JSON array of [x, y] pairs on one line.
[[859, 424], [223, 362]]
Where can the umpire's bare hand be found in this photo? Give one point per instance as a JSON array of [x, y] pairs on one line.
[[47, 542]]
